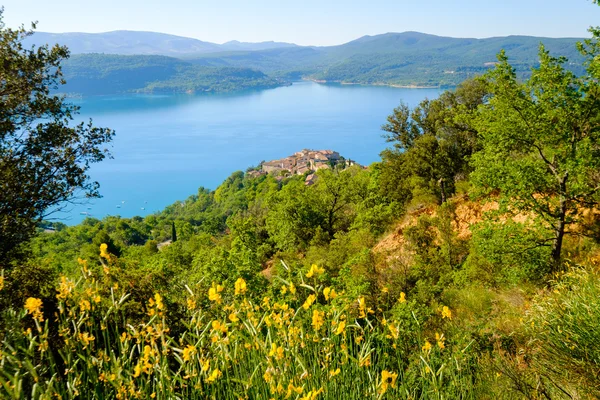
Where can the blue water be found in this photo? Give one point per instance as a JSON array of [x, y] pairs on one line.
[[166, 147]]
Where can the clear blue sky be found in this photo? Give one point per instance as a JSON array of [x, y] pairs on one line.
[[309, 22]]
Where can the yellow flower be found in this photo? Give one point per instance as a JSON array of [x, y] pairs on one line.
[[103, 251], [340, 328], [283, 290], [385, 289], [329, 293], [362, 307], [318, 319], [440, 340], [402, 298], [65, 288], [188, 352], [292, 288], [218, 326], [393, 331], [277, 351], [233, 317], [216, 374], [123, 337], [333, 373], [446, 313], [427, 346], [213, 293], [1, 282], [191, 304], [159, 302], [240, 286], [314, 271], [388, 379], [84, 305], [34, 307], [309, 301], [86, 338], [137, 370], [312, 395], [97, 299], [205, 365]]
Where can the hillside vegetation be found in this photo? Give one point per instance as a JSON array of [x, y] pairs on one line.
[[96, 74], [462, 265]]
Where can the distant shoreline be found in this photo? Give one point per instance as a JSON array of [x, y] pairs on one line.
[[321, 81]]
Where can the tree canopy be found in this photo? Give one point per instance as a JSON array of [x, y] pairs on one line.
[[44, 156]]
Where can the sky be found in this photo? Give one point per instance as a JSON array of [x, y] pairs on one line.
[[309, 22]]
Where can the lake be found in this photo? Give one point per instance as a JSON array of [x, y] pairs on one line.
[[166, 147]]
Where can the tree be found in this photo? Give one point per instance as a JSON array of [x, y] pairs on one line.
[[432, 142], [44, 157], [541, 144]]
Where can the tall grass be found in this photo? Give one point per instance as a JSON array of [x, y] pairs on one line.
[[305, 341]]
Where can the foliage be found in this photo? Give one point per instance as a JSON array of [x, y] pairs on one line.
[[44, 159], [540, 144], [432, 143]]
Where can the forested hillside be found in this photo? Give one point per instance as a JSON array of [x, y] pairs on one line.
[[96, 74]]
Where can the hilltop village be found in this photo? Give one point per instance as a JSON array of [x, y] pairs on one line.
[[302, 162]]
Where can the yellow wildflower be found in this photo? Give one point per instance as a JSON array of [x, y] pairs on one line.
[[446, 313], [86, 338], [312, 395], [318, 319], [283, 290], [427, 346], [309, 301], [218, 326], [137, 370], [362, 307], [104, 251], [34, 307], [329, 293], [213, 293], [233, 317], [191, 304], [440, 340], [188, 352], [333, 373], [205, 365], [1, 282], [216, 374], [292, 288], [65, 288], [402, 298], [314, 271], [340, 328], [84, 305], [388, 379], [240, 286]]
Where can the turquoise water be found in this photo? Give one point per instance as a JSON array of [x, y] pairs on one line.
[[166, 147]]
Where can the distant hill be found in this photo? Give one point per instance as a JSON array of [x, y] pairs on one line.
[[142, 43], [100, 74], [234, 45], [408, 58]]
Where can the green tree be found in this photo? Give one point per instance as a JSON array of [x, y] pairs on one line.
[[432, 143], [44, 159], [541, 144]]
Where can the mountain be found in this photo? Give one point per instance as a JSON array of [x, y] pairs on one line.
[[403, 59], [142, 43], [408, 59], [234, 45]]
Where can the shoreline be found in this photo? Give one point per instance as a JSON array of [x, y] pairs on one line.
[[321, 81]]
